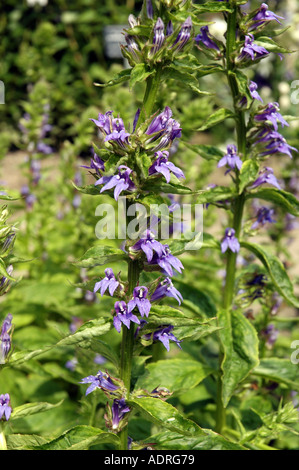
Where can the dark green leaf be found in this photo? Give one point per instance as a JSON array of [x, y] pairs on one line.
[[279, 197], [276, 271], [100, 255], [240, 347], [216, 118]]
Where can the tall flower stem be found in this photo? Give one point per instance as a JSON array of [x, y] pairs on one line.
[[127, 343], [3, 445], [237, 204]]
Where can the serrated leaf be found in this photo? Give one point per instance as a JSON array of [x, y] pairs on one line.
[[279, 370], [177, 375], [32, 408], [168, 440], [279, 197], [139, 73], [165, 415], [208, 152], [212, 7], [121, 77], [216, 118], [80, 438], [100, 255], [276, 270], [248, 174], [239, 342]]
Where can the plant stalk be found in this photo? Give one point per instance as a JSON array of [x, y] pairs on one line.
[[238, 204]]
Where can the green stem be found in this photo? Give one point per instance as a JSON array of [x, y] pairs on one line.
[[152, 88], [238, 203], [3, 445], [127, 343]]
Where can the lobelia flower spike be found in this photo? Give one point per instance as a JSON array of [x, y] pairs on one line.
[[266, 176], [276, 143], [163, 166], [231, 159], [109, 282], [120, 182], [140, 301], [230, 241], [166, 289], [123, 316], [5, 407]]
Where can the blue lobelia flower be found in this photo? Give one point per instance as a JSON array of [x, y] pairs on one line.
[[121, 181], [163, 166], [140, 301], [166, 289], [184, 35], [96, 163], [123, 316], [5, 408], [159, 36], [167, 261], [263, 216], [271, 113], [149, 245], [276, 143], [206, 39], [263, 15], [109, 282], [164, 335], [266, 176], [5, 338], [162, 130], [231, 159], [251, 50], [230, 241], [119, 410], [102, 380], [253, 91]]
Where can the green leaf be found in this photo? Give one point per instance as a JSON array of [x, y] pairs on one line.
[[240, 347], [173, 73], [279, 197], [271, 45], [208, 152], [86, 333], [212, 7], [100, 255], [213, 195], [248, 174], [242, 83], [168, 440], [165, 415], [168, 188], [177, 375], [216, 118], [80, 438], [31, 408], [121, 77], [3, 271], [279, 370], [276, 271], [139, 73]]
